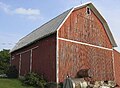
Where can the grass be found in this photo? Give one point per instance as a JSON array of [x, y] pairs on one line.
[[11, 83]]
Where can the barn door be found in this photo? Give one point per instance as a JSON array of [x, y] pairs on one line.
[[25, 63]]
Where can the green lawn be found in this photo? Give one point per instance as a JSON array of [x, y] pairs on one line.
[[11, 83]]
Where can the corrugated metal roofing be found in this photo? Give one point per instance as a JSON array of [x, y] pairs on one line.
[[54, 25]]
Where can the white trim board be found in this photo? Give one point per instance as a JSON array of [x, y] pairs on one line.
[[65, 19], [68, 40], [57, 58], [113, 64], [30, 58], [19, 64], [27, 50]]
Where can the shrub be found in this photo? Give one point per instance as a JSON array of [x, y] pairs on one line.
[[40, 85], [34, 79], [12, 72]]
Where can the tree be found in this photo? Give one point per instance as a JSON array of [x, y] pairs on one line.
[[5, 56], [4, 61]]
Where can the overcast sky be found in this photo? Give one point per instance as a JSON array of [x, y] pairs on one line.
[[20, 17]]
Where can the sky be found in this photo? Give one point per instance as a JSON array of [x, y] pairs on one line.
[[20, 17]]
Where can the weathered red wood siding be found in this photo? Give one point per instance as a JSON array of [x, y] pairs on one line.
[[44, 61], [25, 63], [43, 57], [73, 57], [15, 62], [85, 28], [117, 66]]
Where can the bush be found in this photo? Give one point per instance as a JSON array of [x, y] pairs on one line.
[[12, 72], [34, 79], [40, 85]]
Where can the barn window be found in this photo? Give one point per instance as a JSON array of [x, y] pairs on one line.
[[88, 11]]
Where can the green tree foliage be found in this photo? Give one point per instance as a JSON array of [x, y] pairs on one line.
[[5, 56], [4, 61]]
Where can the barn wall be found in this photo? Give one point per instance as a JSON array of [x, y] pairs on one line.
[[43, 53], [117, 66], [25, 63], [73, 57], [15, 62], [44, 61]]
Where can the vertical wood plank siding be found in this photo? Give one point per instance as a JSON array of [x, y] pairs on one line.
[[15, 62], [43, 58], [25, 63], [117, 66], [85, 28], [72, 57]]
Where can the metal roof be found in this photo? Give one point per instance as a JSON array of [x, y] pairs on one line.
[[55, 24]]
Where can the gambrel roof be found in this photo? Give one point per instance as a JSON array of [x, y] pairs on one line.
[[53, 25]]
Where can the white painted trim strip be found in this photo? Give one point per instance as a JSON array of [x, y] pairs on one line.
[[68, 40], [57, 60], [19, 65], [65, 19], [27, 50], [31, 60], [24, 51], [57, 50], [113, 64], [84, 4]]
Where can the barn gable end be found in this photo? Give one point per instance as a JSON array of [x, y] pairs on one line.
[[85, 28], [87, 19]]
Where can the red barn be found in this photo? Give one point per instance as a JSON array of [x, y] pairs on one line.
[[78, 39]]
